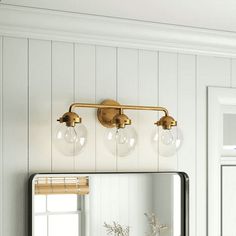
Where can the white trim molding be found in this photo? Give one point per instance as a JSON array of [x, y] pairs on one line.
[[219, 99], [73, 27]]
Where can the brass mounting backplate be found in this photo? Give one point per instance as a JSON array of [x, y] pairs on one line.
[[106, 115]]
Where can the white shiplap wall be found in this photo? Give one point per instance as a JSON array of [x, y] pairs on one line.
[[39, 79]]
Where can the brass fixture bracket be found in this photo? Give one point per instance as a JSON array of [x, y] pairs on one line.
[[70, 118], [121, 120], [110, 114], [106, 115], [166, 122], [112, 117]]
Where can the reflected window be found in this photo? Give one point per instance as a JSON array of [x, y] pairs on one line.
[[58, 215]]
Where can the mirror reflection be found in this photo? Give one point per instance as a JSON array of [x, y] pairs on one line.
[[119, 204]]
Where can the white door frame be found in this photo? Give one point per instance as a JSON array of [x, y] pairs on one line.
[[218, 100]]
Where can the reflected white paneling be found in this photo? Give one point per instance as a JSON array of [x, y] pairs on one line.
[[163, 193], [176, 206]]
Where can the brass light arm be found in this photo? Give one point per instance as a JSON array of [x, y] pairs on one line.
[[110, 114], [123, 107]]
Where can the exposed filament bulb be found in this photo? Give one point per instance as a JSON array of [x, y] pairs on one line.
[[71, 135], [121, 136]]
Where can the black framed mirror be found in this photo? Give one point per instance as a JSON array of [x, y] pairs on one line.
[[101, 204]]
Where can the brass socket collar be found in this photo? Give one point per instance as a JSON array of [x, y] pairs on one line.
[[121, 120], [70, 118], [166, 122]]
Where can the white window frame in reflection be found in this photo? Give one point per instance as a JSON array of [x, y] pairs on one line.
[[79, 210]]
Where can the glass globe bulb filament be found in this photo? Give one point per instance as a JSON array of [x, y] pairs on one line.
[[167, 142], [70, 140], [120, 141], [167, 137], [71, 135], [121, 136]]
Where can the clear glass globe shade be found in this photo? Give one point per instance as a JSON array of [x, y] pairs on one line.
[[121, 141], [70, 140], [167, 142]]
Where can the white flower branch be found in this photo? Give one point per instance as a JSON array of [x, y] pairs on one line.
[[155, 226], [116, 229]]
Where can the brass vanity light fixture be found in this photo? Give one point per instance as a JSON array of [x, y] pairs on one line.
[[111, 115]]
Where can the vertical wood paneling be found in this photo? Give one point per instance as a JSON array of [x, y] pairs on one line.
[[15, 132], [211, 71], [133, 211], [39, 105], [1, 138], [233, 72], [113, 193], [123, 204], [105, 89], [62, 96], [127, 93], [62, 73], [95, 205], [105, 198], [85, 92], [145, 187], [187, 124], [148, 95], [168, 97]]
